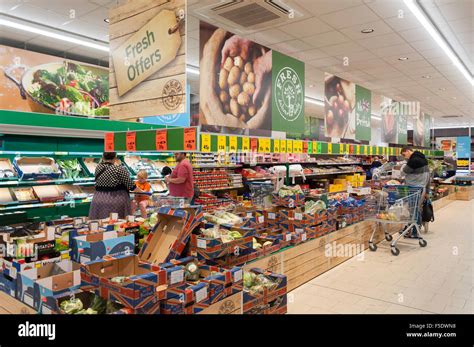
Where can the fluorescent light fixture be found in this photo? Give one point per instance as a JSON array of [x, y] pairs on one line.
[[367, 31], [38, 31], [376, 117], [403, 58], [417, 12], [192, 69], [314, 101]]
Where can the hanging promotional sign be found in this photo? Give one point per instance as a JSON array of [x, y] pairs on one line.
[[175, 120], [427, 131], [419, 129], [389, 120], [363, 113], [148, 74], [339, 109]]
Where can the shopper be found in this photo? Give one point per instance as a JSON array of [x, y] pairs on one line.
[[112, 186], [142, 201], [376, 163], [181, 181]]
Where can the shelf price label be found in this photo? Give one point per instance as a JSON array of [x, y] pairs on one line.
[[131, 141], [109, 142], [282, 146], [161, 140], [351, 149], [267, 145], [245, 144], [221, 143], [261, 145], [310, 147], [205, 142], [329, 148], [357, 149], [289, 146], [276, 146], [190, 139], [253, 144], [233, 144]]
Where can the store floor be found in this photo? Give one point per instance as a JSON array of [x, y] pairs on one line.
[[434, 279]]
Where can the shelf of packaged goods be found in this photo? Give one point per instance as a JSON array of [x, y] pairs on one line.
[[217, 166], [45, 204], [19, 183], [223, 188], [259, 178], [336, 164], [302, 162], [328, 173]]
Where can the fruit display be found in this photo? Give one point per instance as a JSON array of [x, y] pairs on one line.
[[24, 194], [257, 283], [289, 191], [387, 216]]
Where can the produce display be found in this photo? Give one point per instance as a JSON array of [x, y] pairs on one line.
[[136, 164], [223, 234], [289, 191], [223, 217], [311, 206], [70, 168], [257, 283]]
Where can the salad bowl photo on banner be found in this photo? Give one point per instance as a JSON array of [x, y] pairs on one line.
[[339, 109], [35, 82]]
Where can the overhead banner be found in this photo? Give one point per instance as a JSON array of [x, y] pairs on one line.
[[339, 115], [427, 131], [35, 82], [402, 124], [245, 85], [363, 113], [419, 129], [389, 120], [148, 70], [446, 144], [177, 119]]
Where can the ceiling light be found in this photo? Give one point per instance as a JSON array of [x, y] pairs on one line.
[[403, 58], [417, 12], [376, 117], [314, 101], [367, 31], [106, 20], [426, 76], [38, 31]]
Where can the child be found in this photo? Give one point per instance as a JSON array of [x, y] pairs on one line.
[[142, 200]]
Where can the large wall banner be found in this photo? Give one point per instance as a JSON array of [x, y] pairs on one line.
[[427, 131], [248, 86], [34, 82], [389, 120], [363, 113], [148, 65], [339, 115], [419, 129]]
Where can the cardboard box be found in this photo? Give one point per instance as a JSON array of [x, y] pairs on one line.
[[6, 166], [258, 302], [299, 235], [87, 299], [29, 168], [12, 267], [7, 284], [290, 201], [48, 193], [283, 236], [272, 216], [38, 287], [94, 246], [143, 280]]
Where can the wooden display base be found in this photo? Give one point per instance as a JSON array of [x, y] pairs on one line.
[[9, 305], [230, 305], [443, 202], [465, 193]]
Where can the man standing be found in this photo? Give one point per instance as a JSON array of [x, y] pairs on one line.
[[181, 182]]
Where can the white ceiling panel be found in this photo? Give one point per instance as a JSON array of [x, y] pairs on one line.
[[324, 62], [406, 22], [56, 45], [381, 41], [355, 32], [305, 28], [389, 51], [327, 6], [386, 8], [343, 48], [326, 39], [39, 15], [455, 10], [310, 54], [465, 25], [271, 36]]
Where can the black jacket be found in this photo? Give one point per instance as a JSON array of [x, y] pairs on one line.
[[417, 160]]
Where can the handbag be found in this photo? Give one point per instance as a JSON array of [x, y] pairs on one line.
[[427, 214]]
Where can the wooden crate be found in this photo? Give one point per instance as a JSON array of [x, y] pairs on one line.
[[10, 305], [229, 305], [465, 193], [272, 262]]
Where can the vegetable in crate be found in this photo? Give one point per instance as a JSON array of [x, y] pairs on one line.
[[71, 306], [191, 272], [70, 168]]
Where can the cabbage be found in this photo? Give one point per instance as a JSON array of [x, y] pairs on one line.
[[191, 272]]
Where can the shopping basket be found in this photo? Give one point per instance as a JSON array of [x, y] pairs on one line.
[[400, 205]]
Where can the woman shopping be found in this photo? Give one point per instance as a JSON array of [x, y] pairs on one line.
[[112, 186]]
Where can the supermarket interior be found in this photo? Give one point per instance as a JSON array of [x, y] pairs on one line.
[[236, 157]]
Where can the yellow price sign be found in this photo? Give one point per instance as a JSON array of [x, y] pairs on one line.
[[205, 142], [245, 144], [299, 146], [233, 144], [267, 145], [261, 145], [282, 146], [276, 146], [357, 149], [221, 143], [329, 148], [289, 146]]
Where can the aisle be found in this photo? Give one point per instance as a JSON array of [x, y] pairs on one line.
[[435, 279]]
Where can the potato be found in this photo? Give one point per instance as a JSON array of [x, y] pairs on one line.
[[244, 110], [249, 88], [243, 99], [252, 110], [239, 62], [234, 76], [330, 119], [243, 78], [248, 68], [234, 91], [224, 97], [234, 107], [228, 64], [226, 108], [251, 77], [223, 75]]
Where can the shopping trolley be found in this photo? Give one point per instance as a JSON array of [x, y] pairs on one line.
[[398, 205]]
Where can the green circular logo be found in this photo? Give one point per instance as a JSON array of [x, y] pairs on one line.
[[288, 94]]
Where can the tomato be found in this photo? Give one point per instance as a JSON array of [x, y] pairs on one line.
[[73, 83]]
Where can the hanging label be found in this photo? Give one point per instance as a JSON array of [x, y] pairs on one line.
[[190, 139], [276, 146], [161, 140], [238, 275], [177, 276], [329, 148], [201, 243], [221, 143], [288, 237], [233, 144], [282, 146], [131, 141], [298, 216], [253, 144], [289, 146], [245, 144], [109, 142], [303, 237], [201, 294], [260, 219], [205, 142]]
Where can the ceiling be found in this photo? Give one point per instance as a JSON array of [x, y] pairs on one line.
[[329, 31]]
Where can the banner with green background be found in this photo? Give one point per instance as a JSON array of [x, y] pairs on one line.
[[363, 113]]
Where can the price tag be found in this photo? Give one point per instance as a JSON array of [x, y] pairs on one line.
[[114, 216], [267, 145], [233, 144], [329, 148], [94, 226], [201, 294], [161, 140], [288, 237], [109, 142], [249, 214], [310, 147], [299, 230], [131, 219], [261, 145], [289, 146], [320, 148], [271, 216], [298, 216], [282, 146], [357, 149], [201, 243], [13, 272], [276, 146], [253, 144], [260, 219], [221, 143], [190, 139], [245, 144], [177, 276], [238, 276], [305, 147], [303, 237], [131, 141], [205, 142]]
